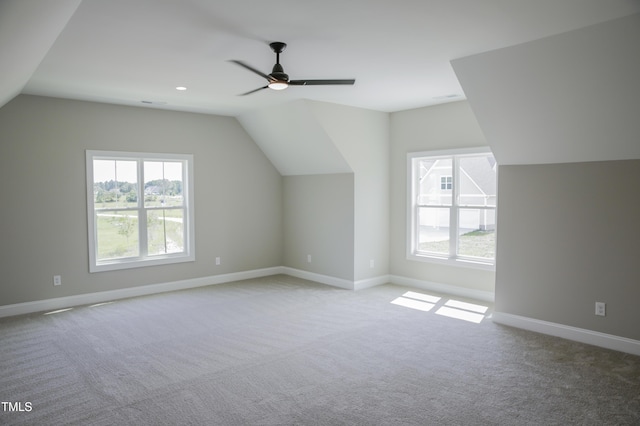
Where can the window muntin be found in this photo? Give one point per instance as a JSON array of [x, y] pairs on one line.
[[133, 225], [452, 211]]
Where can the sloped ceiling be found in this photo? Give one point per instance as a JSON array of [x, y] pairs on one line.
[[28, 29], [293, 139], [571, 97]]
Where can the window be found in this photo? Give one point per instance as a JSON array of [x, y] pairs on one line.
[[446, 182], [140, 209], [452, 207]]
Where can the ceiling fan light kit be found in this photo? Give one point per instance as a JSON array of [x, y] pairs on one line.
[[278, 85], [279, 80]]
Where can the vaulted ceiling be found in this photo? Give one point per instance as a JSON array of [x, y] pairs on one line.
[[136, 52]]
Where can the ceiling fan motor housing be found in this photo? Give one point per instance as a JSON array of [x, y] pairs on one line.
[[278, 73]]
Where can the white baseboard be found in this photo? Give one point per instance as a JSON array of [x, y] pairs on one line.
[[370, 282], [582, 335], [106, 296], [337, 282], [323, 279], [485, 296]]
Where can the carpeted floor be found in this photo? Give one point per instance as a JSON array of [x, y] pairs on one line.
[[283, 351]]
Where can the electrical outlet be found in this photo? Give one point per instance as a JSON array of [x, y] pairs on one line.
[[309, 258], [372, 264], [57, 280], [601, 309], [217, 260]]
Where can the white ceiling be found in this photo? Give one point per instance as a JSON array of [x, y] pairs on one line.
[[399, 52]]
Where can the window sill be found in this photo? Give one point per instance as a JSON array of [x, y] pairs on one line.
[[452, 261], [141, 263]]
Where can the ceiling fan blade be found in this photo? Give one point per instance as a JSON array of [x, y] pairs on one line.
[[320, 82], [253, 91], [252, 69]]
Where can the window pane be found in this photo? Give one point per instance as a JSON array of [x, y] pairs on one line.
[[446, 182], [430, 182], [477, 181], [476, 233], [165, 231], [163, 184], [115, 184], [117, 234], [433, 235]]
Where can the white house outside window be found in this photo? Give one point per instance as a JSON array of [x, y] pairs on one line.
[[140, 209], [452, 207]]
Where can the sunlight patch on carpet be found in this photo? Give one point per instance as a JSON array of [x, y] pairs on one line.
[[451, 308], [421, 296], [58, 311], [460, 314], [100, 304], [467, 306], [418, 301], [413, 304]]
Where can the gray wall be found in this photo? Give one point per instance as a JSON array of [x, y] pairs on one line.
[[238, 194], [451, 125], [362, 137], [313, 138], [570, 236], [318, 220], [567, 231]]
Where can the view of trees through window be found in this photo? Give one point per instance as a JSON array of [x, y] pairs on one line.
[[133, 220]]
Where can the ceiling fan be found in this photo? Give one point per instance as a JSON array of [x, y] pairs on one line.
[[278, 80]]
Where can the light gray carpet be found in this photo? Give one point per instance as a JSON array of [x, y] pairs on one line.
[[281, 351]]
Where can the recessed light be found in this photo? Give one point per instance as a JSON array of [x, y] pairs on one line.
[[181, 88]]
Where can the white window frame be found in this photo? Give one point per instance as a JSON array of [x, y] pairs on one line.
[[412, 211], [143, 259]]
